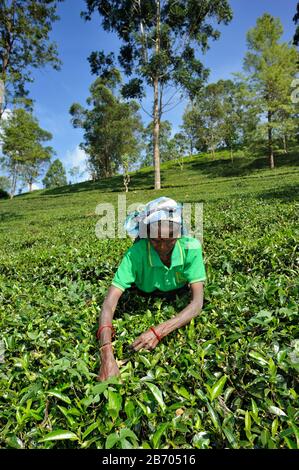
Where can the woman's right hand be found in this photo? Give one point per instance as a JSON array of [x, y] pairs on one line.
[[109, 367]]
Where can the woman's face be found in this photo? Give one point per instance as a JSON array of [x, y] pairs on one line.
[[164, 241], [163, 246]]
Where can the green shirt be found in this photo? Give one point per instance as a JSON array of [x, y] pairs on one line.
[[142, 266]]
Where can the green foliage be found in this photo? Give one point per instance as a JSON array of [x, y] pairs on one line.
[[111, 127], [3, 194], [4, 187], [177, 148], [229, 379], [74, 172], [55, 176], [160, 45], [215, 117], [25, 26], [139, 24], [271, 67], [22, 147], [164, 138]]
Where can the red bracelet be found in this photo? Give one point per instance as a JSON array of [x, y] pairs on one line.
[[102, 327], [156, 334]]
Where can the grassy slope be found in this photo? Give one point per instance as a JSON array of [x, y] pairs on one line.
[[202, 179], [54, 273]]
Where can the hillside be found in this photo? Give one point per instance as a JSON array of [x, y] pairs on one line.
[[226, 380]]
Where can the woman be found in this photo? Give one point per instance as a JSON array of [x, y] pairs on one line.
[[162, 261]]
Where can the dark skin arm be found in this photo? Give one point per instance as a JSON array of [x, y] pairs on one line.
[[148, 340], [109, 366]]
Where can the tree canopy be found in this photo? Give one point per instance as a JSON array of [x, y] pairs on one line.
[[55, 176], [160, 40], [271, 67], [25, 27], [22, 147], [111, 126]]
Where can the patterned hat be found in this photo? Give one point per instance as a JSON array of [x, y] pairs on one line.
[[162, 208]]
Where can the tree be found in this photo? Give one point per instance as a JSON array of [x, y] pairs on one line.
[[207, 114], [165, 135], [159, 38], [55, 176], [4, 183], [22, 148], [231, 97], [111, 126], [177, 148], [217, 116], [296, 20], [286, 128], [74, 172], [24, 44], [4, 187], [189, 127], [271, 67], [126, 175]]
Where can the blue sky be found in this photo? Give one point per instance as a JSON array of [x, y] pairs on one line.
[[54, 92]]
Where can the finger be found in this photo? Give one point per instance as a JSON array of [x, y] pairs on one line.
[[154, 343], [150, 344], [139, 346], [137, 340]]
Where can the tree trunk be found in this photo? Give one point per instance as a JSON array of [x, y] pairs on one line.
[[2, 84], [5, 61], [30, 186], [156, 130], [156, 138], [270, 142], [106, 160], [284, 143], [231, 155], [2, 91], [191, 147], [13, 183]]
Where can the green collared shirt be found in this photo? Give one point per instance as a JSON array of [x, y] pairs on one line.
[[142, 266]]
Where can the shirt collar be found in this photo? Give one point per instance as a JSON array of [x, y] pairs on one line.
[[154, 259]]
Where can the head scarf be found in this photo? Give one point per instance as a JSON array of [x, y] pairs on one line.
[[162, 208]]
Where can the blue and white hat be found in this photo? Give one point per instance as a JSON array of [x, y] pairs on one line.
[[162, 208]]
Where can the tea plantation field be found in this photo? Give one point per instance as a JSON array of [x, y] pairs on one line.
[[227, 380]]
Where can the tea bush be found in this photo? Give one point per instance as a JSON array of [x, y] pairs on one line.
[[229, 379]]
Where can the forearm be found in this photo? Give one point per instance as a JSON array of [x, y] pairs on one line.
[[182, 319], [105, 338], [109, 366], [105, 318]]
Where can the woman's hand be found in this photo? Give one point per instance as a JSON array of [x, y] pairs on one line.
[[109, 367], [147, 340]]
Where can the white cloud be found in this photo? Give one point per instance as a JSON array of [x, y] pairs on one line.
[[4, 117], [76, 157], [36, 186], [6, 114]]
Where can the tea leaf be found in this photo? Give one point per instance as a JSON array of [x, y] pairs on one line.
[[157, 394]]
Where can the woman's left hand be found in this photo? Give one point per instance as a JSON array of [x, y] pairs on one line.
[[147, 340]]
